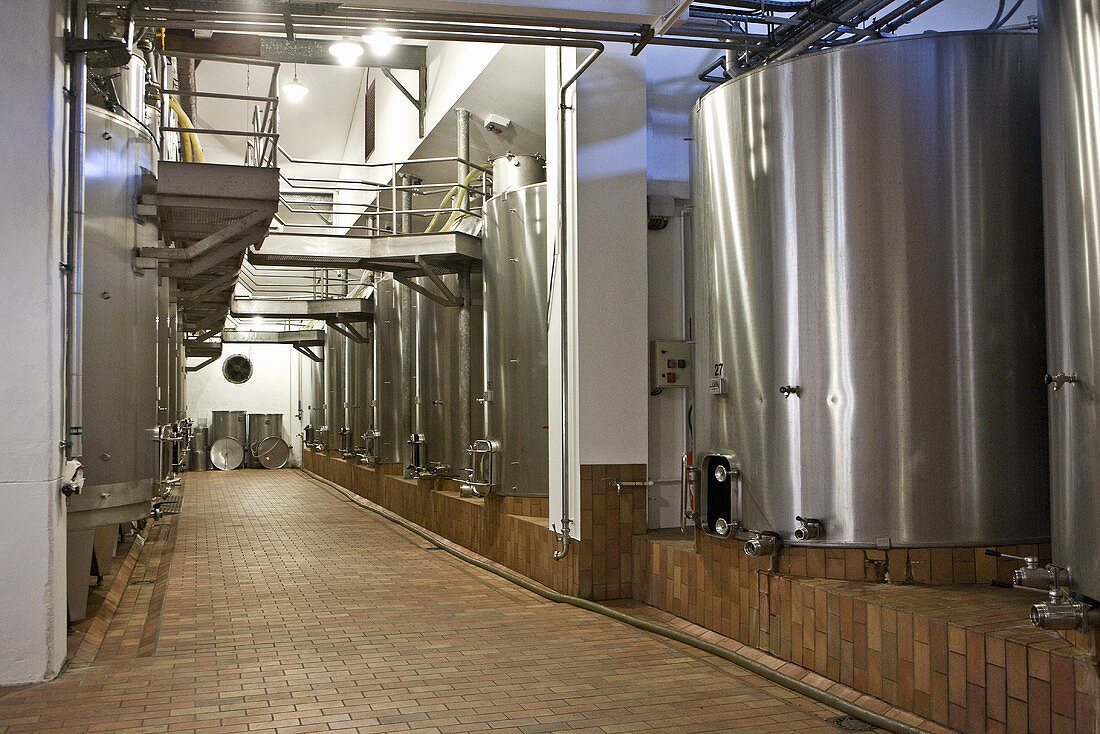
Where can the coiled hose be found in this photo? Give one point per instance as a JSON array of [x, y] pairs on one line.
[[753, 666]]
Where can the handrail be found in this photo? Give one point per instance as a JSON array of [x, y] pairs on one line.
[[263, 134]]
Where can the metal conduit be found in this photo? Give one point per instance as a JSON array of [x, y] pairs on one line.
[[753, 666], [72, 440]]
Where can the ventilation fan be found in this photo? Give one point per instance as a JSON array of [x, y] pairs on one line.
[[237, 369]]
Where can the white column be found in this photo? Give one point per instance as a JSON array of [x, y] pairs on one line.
[[32, 197], [607, 294]]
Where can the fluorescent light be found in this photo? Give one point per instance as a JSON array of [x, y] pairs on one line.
[[382, 40], [294, 90], [346, 52]]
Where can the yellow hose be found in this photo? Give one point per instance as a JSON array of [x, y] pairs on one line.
[[192, 150], [457, 198]]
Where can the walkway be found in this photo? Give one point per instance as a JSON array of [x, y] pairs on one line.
[[289, 609]]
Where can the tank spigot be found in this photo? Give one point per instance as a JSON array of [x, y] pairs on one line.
[[724, 527], [1064, 615], [808, 529], [721, 473], [1060, 379], [762, 544]]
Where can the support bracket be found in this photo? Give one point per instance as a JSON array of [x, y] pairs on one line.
[[205, 363], [307, 351], [419, 100], [347, 328]]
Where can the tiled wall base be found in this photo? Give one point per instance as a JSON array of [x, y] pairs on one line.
[[513, 530], [964, 656]]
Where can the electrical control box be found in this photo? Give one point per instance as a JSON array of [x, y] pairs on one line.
[[671, 364]]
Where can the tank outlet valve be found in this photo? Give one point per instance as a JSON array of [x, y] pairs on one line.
[[72, 481], [808, 529], [1064, 615], [762, 545], [724, 527], [721, 473], [1060, 379]]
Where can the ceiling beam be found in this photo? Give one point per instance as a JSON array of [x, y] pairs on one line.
[[282, 50]]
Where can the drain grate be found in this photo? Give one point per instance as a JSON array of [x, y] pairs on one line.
[[170, 507], [850, 723]]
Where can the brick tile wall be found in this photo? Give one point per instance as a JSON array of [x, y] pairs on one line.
[[513, 530], [964, 655]]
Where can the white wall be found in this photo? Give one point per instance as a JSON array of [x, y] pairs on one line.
[[32, 520], [272, 389]]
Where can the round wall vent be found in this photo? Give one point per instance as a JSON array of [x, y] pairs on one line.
[[237, 369]]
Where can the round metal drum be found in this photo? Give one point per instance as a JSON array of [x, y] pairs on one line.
[[870, 331], [261, 426], [229, 424], [273, 453], [512, 172], [226, 454]]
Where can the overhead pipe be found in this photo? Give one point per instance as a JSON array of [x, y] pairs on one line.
[[338, 26], [72, 441], [809, 38]]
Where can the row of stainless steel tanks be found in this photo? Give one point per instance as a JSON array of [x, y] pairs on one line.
[[875, 324], [133, 363], [440, 388]]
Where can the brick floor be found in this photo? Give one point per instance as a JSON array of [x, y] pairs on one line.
[[288, 609]]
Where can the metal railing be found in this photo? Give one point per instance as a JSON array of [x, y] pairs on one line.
[[403, 195], [263, 132]]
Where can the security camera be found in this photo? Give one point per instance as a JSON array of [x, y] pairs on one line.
[[497, 125]]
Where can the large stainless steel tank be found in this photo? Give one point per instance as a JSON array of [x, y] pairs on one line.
[[335, 344], [120, 344], [229, 424], [870, 224], [359, 387], [441, 387], [515, 273], [393, 369], [1070, 42], [313, 392]]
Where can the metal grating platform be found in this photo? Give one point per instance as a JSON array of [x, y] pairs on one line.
[[208, 215]]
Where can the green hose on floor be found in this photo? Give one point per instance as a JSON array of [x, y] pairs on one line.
[[753, 666]]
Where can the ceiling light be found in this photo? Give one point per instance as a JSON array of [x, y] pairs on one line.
[[346, 52], [382, 40], [294, 90]]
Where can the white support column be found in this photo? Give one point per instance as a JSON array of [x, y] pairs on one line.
[[32, 198], [607, 294]]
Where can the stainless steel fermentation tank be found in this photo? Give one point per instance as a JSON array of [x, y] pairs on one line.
[[1070, 41], [516, 395], [359, 388], [393, 364], [335, 349], [120, 344], [312, 394], [439, 385], [871, 335]]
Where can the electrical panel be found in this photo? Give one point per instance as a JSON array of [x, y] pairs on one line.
[[671, 364]]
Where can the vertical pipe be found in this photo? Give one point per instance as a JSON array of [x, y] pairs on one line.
[[410, 335], [74, 257], [563, 256], [464, 417], [462, 152], [464, 429]]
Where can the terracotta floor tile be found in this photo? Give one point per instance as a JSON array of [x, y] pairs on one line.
[[272, 604]]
